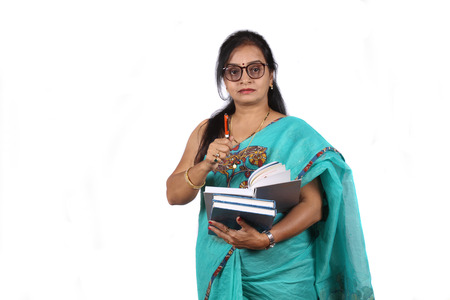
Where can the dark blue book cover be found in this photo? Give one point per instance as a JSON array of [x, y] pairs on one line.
[[258, 217]]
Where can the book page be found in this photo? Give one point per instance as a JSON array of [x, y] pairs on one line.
[[266, 169], [271, 178], [244, 200], [229, 191]]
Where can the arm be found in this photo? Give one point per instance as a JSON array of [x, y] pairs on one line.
[[301, 217], [179, 192]]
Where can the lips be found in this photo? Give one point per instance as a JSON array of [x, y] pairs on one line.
[[246, 91]]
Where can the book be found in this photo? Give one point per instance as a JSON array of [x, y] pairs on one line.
[[259, 213], [255, 202], [271, 181]]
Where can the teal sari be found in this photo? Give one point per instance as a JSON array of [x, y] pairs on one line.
[[326, 261]]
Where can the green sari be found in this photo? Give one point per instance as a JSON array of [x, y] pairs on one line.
[[326, 261]]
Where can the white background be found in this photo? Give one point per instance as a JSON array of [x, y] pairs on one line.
[[98, 98]]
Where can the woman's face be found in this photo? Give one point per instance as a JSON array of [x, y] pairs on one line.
[[248, 91]]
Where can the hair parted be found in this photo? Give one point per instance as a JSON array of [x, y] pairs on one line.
[[215, 127]]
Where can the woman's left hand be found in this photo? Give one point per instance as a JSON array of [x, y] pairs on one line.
[[246, 237]]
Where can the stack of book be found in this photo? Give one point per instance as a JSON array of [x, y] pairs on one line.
[[270, 190]]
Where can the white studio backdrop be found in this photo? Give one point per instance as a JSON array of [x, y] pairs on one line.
[[98, 98]]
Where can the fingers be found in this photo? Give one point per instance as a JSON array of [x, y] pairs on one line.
[[222, 145], [218, 151], [219, 227], [221, 231], [226, 230]]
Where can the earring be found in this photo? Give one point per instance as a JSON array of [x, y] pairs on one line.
[[271, 86]]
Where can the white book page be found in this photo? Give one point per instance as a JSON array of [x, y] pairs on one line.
[[242, 200], [272, 179], [251, 209], [230, 191], [266, 168]]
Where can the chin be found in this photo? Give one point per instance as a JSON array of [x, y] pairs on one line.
[[247, 101]]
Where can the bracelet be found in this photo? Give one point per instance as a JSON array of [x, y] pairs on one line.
[[195, 187], [271, 239]]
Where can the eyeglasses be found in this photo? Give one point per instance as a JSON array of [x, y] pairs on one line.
[[254, 71]]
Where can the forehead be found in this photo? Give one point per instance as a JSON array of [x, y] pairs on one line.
[[245, 54]]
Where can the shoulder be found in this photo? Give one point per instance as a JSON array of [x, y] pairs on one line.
[[296, 123], [192, 145], [300, 128], [198, 132], [201, 127]]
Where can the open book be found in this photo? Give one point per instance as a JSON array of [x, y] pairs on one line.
[[271, 181]]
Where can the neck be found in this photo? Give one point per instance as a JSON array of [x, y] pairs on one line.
[[247, 122], [250, 114]]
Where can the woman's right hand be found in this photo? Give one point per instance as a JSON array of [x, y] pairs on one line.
[[179, 191], [218, 150]]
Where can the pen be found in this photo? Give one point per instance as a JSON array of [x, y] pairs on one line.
[[225, 120]]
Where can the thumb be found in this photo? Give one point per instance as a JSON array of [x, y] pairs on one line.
[[242, 223], [231, 139]]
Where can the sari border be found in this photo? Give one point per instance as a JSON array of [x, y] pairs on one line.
[[319, 154], [218, 270]]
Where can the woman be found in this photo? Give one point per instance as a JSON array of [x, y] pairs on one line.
[[316, 250]]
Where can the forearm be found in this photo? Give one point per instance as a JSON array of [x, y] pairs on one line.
[[300, 218], [179, 191]]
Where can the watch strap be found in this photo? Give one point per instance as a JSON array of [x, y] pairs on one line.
[[271, 239]]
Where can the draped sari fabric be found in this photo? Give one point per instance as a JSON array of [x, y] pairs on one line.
[[326, 261]]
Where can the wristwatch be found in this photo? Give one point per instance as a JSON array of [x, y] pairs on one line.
[[271, 239]]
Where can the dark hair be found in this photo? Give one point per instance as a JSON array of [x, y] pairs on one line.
[[215, 126]]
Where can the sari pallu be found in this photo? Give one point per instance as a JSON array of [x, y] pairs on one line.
[[326, 261]]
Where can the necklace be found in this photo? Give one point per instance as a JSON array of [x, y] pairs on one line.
[[252, 135]]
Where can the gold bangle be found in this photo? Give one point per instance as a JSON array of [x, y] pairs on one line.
[[195, 187]]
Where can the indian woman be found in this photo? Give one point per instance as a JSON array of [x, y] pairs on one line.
[[315, 250]]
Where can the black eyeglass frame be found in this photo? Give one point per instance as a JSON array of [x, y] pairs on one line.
[[246, 69]]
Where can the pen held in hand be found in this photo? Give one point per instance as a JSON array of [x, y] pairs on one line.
[[225, 120]]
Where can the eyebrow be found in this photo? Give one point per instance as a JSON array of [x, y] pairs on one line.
[[252, 62]]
